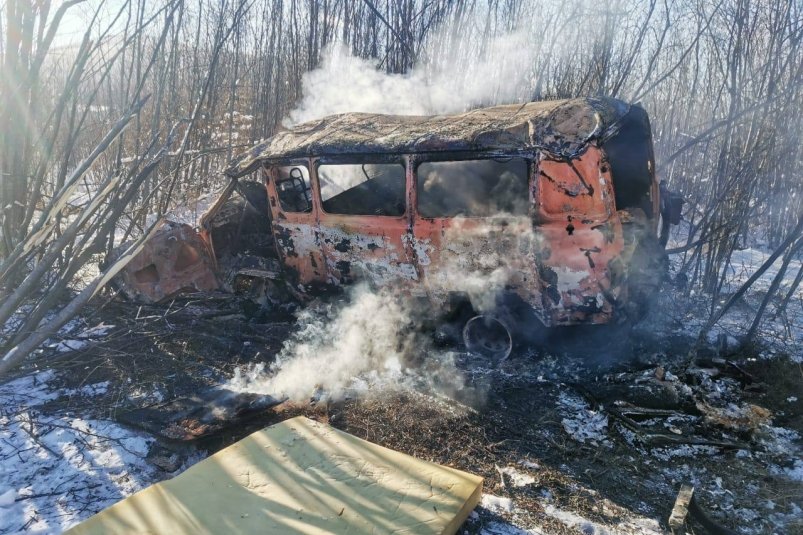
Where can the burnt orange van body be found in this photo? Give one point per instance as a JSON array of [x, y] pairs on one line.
[[544, 201]]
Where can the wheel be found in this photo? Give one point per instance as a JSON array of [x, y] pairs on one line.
[[488, 337]]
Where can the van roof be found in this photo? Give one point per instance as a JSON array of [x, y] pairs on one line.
[[563, 128]]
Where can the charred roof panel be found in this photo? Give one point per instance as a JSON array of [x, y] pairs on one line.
[[561, 127]]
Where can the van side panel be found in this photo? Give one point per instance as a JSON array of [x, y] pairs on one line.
[[566, 259], [366, 248]]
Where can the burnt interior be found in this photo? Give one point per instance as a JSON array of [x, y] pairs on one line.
[[381, 191], [242, 225], [294, 189], [473, 188], [630, 156]]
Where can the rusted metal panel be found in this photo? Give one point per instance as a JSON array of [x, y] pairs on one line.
[[582, 237], [362, 248], [176, 259], [372, 248], [557, 260]]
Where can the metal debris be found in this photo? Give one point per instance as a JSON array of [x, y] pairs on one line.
[[176, 259]]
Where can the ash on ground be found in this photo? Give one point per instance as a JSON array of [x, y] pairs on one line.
[[592, 435]]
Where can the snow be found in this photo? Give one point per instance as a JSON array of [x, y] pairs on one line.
[[573, 520], [190, 211], [631, 526], [794, 472], [782, 333], [582, 423], [503, 528], [96, 389], [70, 345], [56, 470], [619, 524], [7, 499], [496, 504], [82, 339], [516, 477], [29, 391]]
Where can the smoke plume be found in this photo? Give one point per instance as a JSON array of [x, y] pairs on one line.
[[439, 84], [370, 340], [376, 338]]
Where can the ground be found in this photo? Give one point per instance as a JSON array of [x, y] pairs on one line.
[[553, 432]]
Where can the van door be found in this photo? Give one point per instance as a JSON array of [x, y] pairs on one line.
[[472, 229], [364, 220], [295, 226]]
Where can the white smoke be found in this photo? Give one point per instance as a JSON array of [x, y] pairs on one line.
[[482, 259], [369, 341], [442, 84], [374, 341]]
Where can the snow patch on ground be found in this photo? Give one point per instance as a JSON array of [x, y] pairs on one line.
[[516, 477], [497, 504], [794, 472], [641, 526], [28, 391], [96, 389], [503, 528], [82, 339], [56, 470], [581, 422], [618, 524]]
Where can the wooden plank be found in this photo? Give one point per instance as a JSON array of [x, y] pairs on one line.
[[677, 520], [299, 476]]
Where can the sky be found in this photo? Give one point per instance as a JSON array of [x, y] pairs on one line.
[[75, 21]]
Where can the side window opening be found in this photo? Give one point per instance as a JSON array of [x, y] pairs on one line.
[[363, 189], [241, 225], [293, 187], [473, 188], [629, 153]]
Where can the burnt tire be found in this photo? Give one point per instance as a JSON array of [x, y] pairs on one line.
[[527, 330], [488, 337]]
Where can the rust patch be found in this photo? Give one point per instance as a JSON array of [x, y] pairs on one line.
[[176, 259]]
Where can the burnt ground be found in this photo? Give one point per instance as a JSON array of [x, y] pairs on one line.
[[556, 416]]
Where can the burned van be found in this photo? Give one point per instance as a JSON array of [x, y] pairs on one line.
[[531, 216], [550, 207]]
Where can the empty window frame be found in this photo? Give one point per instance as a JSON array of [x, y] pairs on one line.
[[293, 188], [473, 188], [363, 188]]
